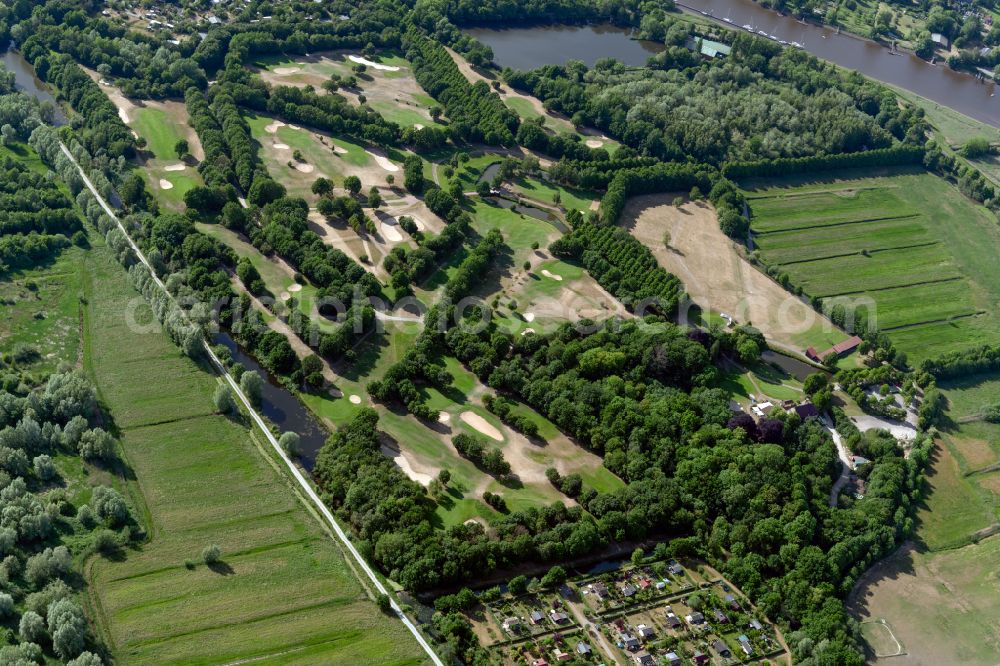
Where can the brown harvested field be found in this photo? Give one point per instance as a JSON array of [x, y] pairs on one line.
[[943, 608], [977, 453], [717, 277]]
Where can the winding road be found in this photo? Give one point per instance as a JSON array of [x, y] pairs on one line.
[[303, 483], [846, 465]]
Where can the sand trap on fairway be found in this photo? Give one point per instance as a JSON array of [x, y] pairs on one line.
[[417, 126], [309, 168], [339, 150], [166, 184], [281, 146], [420, 223], [295, 287], [284, 296], [444, 417], [527, 330], [390, 231], [373, 65], [529, 316], [180, 166], [546, 273], [355, 399], [481, 425], [273, 127], [285, 71], [404, 464], [294, 127], [593, 143], [123, 114], [383, 161]]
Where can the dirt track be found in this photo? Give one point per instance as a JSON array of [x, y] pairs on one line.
[[714, 274]]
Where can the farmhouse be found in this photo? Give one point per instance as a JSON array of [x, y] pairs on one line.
[[841, 348], [807, 410]]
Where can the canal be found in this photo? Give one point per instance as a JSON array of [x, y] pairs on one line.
[[528, 48]]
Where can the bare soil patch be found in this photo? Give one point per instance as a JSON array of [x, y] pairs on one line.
[[481, 425], [977, 453], [714, 273]]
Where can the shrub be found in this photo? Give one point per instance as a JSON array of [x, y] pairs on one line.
[[223, 399], [211, 554]]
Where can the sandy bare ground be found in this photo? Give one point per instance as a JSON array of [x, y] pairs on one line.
[[166, 184], [481, 425], [409, 467], [345, 240], [714, 274]]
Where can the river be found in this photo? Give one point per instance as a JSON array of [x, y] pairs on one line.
[[26, 81], [527, 48], [281, 407]]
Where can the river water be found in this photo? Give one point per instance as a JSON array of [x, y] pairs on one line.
[[281, 407], [26, 81], [527, 48]]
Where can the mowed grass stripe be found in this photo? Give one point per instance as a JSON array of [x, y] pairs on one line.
[[836, 223], [818, 242], [283, 583], [824, 208], [858, 274], [921, 304], [865, 253]]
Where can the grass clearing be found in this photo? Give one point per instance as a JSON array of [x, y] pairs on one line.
[[283, 584], [876, 238]]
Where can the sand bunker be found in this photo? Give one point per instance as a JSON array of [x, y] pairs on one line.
[[444, 417], [481, 425], [383, 161], [166, 184], [339, 150], [285, 71], [294, 127], [372, 64], [123, 114], [404, 464], [355, 399], [593, 143], [546, 273], [420, 223], [417, 126], [273, 127], [309, 168], [529, 316], [295, 287], [390, 230], [527, 330], [281, 146], [284, 296], [180, 166]]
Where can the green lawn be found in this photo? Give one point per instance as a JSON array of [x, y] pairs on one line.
[[283, 587], [544, 192], [881, 240]]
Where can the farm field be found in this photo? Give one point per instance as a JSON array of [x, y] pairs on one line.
[[203, 479], [879, 239]]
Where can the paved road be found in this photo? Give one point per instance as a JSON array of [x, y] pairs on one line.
[[845, 463], [296, 474]]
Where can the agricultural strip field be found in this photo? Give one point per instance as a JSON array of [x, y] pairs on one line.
[[283, 593], [909, 242]]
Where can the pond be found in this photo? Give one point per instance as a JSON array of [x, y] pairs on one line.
[[25, 80], [528, 48], [793, 366], [281, 407]]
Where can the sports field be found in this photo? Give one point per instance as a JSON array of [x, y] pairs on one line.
[[283, 592], [910, 242]]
